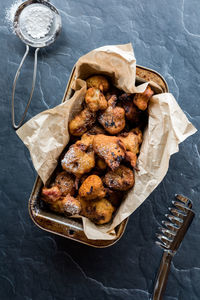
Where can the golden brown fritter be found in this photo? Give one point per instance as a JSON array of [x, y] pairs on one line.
[[81, 122], [96, 129], [115, 197], [98, 82], [95, 100], [100, 211], [78, 161], [141, 100], [113, 118], [51, 195], [109, 148], [86, 141], [132, 140], [122, 179], [92, 188], [133, 114], [67, 205], [65, 182], [101, 164], [93, 172], [132, 159]]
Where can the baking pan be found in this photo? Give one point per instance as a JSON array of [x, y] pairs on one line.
[[69, 227]]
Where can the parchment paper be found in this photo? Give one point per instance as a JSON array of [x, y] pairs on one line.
[[46, 134]]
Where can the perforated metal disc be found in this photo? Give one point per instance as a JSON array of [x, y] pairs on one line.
[[23, 25]]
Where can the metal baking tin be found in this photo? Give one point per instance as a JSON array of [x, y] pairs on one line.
[[69, 227]]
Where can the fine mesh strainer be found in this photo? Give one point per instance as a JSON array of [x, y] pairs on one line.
[[37, 23]]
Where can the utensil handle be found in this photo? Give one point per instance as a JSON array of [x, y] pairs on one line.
[[16, 126], [162, 276]]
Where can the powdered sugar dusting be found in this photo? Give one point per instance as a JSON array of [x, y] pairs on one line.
[[10, 13], [36, 19], [77, 161], [72, 206]]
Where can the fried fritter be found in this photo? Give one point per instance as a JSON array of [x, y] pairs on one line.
[[98, 82], [65, 182], [100, 211], [95, 100], [96, 129], [86, 141], [67, 205], [112, 100], [78, 161], [92, 188], [82, 122], [115, 197], [132, 141], [93, 172], [51, 195], [101, 164], [122, 179], [109, 148], [141, 100], [113, 118], [131, 158], [133, 114]]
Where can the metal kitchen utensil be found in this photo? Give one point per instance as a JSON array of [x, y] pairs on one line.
[[30, 27], [170, 239]]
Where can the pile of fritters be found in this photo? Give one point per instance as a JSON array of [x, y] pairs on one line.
[[98, 167]]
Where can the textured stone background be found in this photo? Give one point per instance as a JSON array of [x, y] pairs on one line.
[[37, 265]]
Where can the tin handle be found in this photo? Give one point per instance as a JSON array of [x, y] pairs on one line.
[[162, 276], [16, 126]]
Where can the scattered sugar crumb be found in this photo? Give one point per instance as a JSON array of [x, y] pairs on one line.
[[10, 13]]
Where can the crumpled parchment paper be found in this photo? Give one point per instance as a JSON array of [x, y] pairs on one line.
[[46, 135]]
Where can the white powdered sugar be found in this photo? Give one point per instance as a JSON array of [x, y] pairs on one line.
[[36, 19], [72, 208], [10, 13]]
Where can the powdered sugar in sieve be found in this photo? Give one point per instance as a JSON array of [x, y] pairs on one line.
[[36, 19]]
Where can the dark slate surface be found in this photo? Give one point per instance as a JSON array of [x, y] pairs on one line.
[[38, 265]]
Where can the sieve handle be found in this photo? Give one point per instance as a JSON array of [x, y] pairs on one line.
[[16, 126]]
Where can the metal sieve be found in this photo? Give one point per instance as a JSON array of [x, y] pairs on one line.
[[29, 26]]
